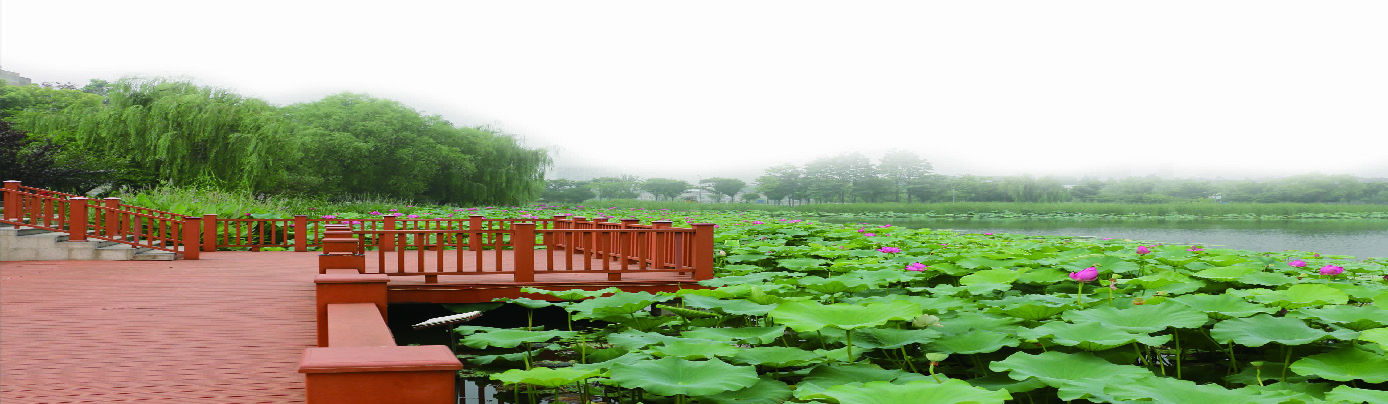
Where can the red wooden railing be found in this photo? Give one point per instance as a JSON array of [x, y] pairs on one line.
[[565, 244], [107, 219], [571, 246]]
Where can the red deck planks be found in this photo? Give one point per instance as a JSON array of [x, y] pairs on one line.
[[229, 328]]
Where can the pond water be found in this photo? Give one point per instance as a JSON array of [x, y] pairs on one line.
[[1362, 238]]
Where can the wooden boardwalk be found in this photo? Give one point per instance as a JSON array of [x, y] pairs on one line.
[[228, 328]]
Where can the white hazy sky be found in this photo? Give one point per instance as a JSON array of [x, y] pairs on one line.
[[697, 89]]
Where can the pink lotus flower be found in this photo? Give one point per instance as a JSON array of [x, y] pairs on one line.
[[1086, 275], [329, 217], [869, 234], [413, 216], [1143, 250], [889, 250], [375, 213], [1332, 270], [1196, 249], [1298, 263], [987, 234], [916, 266], [757, 222]]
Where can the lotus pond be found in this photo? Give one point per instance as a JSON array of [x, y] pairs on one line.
[[810, 312]]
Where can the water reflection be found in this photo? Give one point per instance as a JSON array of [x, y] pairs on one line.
[[1362, 238]]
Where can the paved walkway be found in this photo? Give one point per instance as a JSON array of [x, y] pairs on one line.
[[229, 328]]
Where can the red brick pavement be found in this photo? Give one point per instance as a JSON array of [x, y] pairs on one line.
[[229, 328]]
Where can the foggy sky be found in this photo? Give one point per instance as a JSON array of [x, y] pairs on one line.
[[1178, 88]]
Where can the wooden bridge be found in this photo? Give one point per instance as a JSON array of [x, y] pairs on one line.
[[132, 330]]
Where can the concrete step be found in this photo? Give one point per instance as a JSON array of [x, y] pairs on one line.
[[30, 244]]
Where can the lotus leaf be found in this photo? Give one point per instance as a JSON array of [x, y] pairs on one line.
[[1356, 318], [511, 338], [1169, 390], [1142, 319], [633, 339], [742, 334], [1261, 329], [766, 391], [1091, 336], [950, 391], [1303, 295], [1266, 279], [824, 376], [1345, 364], [571, 294], [1222, 306], [546, 377], [891, 338], [1347, 394], [1226, 274], [671, 376], [694, 349], [961, 323], [776, 356], [621, 303], [1001, 276], [800, 264], [980, 341], [1377, 335], [1076, 375], [810, 316]]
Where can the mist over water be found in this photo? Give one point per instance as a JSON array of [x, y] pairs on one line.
[[1361, 238]]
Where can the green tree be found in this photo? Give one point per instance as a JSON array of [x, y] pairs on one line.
[[622, 187], [40, 163], [724, 186], [668, 188], [903, 168], [566, 191], [781, 182]]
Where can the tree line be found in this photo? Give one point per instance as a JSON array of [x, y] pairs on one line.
[[903, 176], [143, 132]]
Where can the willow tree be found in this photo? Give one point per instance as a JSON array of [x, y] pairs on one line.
[[183, 133], [357, 144]]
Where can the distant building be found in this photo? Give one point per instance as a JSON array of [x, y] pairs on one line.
[[13, 78]]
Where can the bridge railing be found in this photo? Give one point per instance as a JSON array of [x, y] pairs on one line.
[[571, 246], [82, 218]]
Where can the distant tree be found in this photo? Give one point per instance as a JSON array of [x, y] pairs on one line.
[[98, 87], [902, 168], [781, 182], [668, 188], [873, 190], [566, 191], [750, 197], [622, 187], [724, 186], [1088, 189]]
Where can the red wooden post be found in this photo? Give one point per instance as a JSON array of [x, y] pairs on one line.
[[300, 233], [209, 233], [386, 242], [474, 240], [662, 249], [703, 251], [112, 222], [77, 219], [192, 237], [523, 251], [12, 205]]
